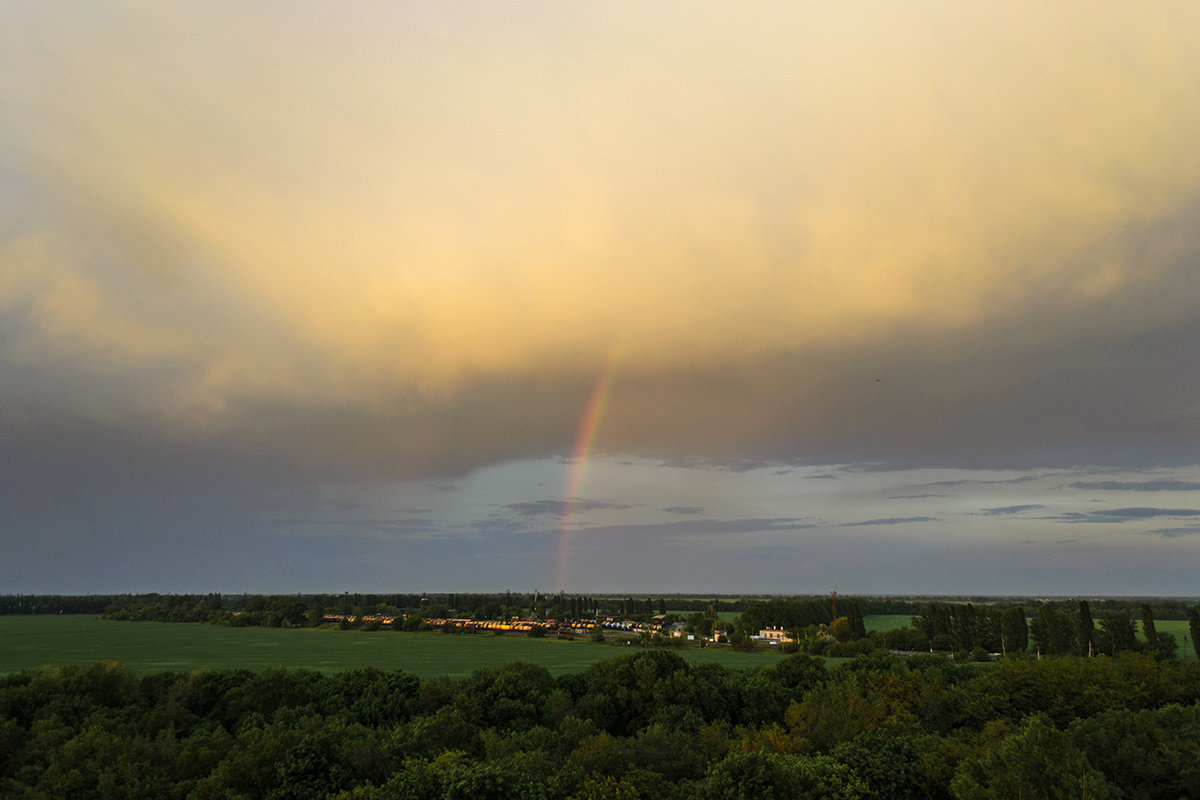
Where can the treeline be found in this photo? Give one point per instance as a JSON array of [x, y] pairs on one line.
[[970, 631], [300, 610], [1048, 629], [645, 725], [964, 628], [13, 604], [1164, 608]]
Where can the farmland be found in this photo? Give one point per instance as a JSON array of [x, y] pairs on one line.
[[204, 710], [885, 622], [144, 647], [28, 641]]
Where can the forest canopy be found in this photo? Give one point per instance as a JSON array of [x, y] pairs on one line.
[[643, 725]]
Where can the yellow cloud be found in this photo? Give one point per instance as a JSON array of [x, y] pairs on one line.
[[362, 199]]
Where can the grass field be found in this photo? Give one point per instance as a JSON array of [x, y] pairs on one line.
[[145, 647], [1178, 628], [886, 622]]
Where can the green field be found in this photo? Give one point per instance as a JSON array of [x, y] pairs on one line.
[[145, 647], [886, 622], [1178, 628]]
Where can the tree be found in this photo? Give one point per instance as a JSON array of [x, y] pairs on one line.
[[605, 787], [700, 624], [1141, 752], [886, 761], [741, 641], [934, 621], [1167, 646], [1051, 631], [1149, 632], [1014, 631], [963, 625], [1194, 628], [1118, 632], [1038, 761], [1085, 630], [858, 627], [762, 776]]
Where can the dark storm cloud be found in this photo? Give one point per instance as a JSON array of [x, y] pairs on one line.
[[688, 510], [1139, 486]]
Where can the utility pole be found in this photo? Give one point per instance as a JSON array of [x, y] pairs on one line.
[[833, 595]]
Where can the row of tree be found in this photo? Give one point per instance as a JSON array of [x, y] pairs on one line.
[[469, 603], [299, 610], [645, 725], [195, 607], [1050, 629]]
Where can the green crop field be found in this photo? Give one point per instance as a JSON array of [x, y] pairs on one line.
[[145, 647], [1179, 629], [886, 622]]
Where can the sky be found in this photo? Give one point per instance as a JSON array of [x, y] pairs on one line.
[[887, 298]]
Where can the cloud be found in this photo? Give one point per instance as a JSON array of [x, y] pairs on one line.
[[975, 481], [244, 263], [560, 508], [1175, 533], [689, 510], [1125, 514], [889, 521], [1005, 510], [495, 526], [696, 529], [862, 271], [1139, 486]]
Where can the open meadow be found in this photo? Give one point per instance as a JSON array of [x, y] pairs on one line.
[[145, 647], [886, 622]]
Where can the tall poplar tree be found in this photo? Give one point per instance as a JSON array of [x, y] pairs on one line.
[[858, 627], [1149, 632], [963, 625], [1085, 629], [1194, 627], [1053, 638], [1014, 631]]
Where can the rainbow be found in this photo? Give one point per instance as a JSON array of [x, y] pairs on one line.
[[585, 438]]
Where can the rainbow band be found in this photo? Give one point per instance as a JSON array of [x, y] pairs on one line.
[[585, 438]]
